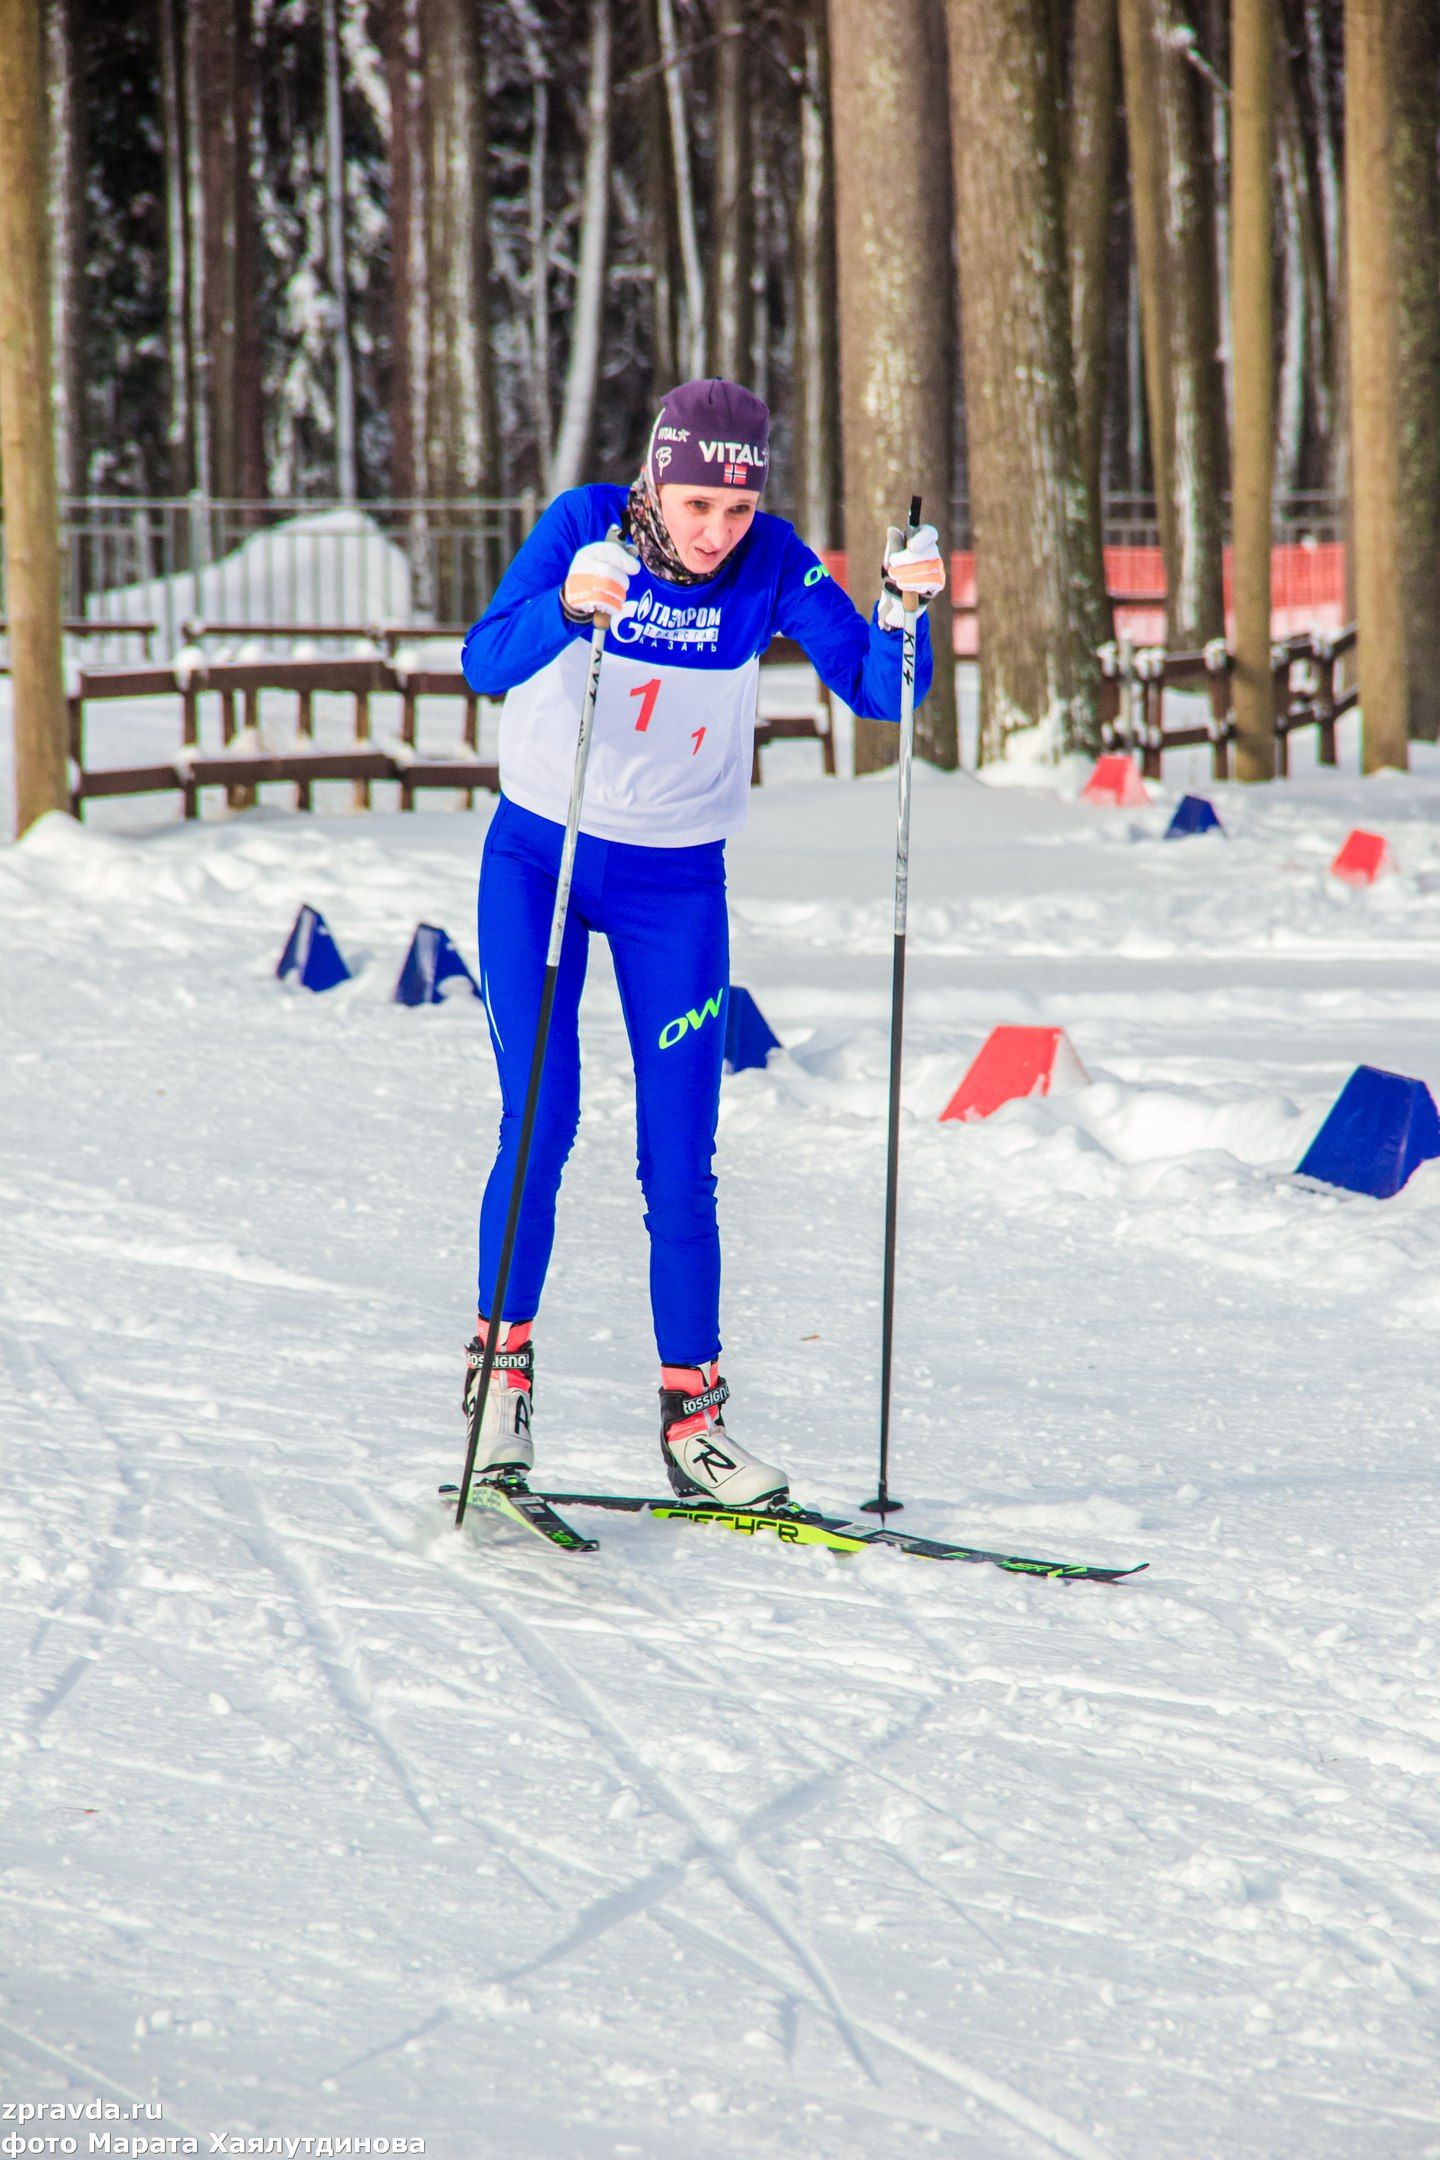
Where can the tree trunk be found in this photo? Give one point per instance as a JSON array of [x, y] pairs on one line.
[[443, 429], [892, 215], [410, 285], [1332, 399], [1216, 140], [539, 239], [179, 374], [732, 223], [692, 311], [582, 367], [1307, 400], [662, 241], [1296, 300], [1040, 612], [1413, 53], [1370, 121], [1090, 166], [224, 251], [1175, 245], [65, 122], [1252, 263], [816, 401], [346, 470], [459, 400], [27, 426], [1147, 198]]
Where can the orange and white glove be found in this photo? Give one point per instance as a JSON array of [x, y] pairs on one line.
[[913, 566], [597, 580]]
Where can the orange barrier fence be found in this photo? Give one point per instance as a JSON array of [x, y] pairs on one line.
[[1307, 591]]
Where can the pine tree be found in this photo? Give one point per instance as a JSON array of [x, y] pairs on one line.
[[892, 212], [1171, 178], [1252, 257], [1370, 120], [27, 432], [1040, 610]]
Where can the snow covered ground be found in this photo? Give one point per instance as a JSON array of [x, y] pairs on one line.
[[323, 1822]]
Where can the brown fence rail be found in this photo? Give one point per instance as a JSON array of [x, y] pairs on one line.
[[218, 714], [1308, 693]]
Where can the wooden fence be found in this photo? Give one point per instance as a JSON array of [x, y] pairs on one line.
[[1310, 691], [220, 733]]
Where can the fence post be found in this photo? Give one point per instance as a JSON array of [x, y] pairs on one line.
[[1153, 744], [1324, 665], [1217, 662], [362, 735], [1280, 676], [190, 733], [305, 728]]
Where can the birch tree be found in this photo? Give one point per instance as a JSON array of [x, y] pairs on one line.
[[1040, 611], [582, 366], [346, 458], [660, 208], [692, 305], [815, 386], [897, 359], [66, 145]]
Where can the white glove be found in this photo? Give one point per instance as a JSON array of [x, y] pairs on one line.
[[596, 582], [914, 567]]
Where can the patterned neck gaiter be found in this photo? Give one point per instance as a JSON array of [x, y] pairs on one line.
[[657, 549]]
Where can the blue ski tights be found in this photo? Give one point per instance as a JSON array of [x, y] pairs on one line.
[[663, 912]]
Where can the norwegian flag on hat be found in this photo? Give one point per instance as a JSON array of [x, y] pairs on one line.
[[736, 475]]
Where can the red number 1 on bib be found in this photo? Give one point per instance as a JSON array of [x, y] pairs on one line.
[[647, 692]]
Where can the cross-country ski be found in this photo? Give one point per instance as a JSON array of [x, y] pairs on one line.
[[787, 1524]]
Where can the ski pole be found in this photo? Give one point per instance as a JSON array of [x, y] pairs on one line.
[[558, 917], [883, 1504]]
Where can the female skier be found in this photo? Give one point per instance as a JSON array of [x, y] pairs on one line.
[[693, 603]]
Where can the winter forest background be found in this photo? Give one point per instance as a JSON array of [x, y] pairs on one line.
[[284, 228], [452, 250]]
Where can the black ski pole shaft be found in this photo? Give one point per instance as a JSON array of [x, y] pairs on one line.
[[883, 1504], [558, 917]]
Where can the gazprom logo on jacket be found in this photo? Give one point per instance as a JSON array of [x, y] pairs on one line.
[[657, 622]]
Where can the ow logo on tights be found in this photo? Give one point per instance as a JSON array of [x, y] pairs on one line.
[[674, 1031]]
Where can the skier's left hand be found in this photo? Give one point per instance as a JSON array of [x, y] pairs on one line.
[[913, 566]]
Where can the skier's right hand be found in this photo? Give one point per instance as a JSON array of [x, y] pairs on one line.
[[597, 579]]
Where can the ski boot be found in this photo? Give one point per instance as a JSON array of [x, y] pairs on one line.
[[701, 1460], [505, 1453]]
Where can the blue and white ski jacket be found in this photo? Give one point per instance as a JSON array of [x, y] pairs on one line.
[[675, 714]]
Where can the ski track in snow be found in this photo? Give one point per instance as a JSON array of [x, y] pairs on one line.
[[324, 1821]]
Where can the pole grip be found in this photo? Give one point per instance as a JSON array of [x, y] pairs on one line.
[[910, 604]]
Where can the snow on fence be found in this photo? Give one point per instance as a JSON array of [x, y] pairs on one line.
[[1312, 689], [331, 729]]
